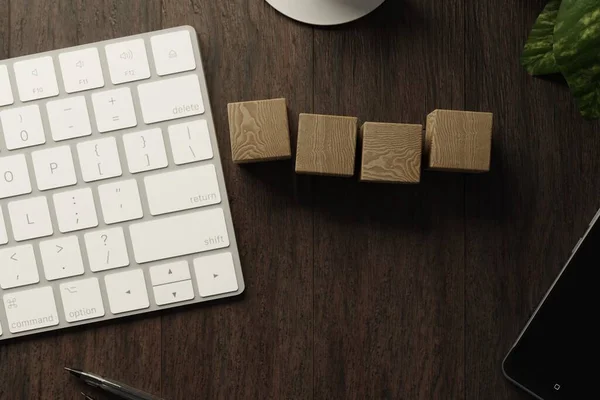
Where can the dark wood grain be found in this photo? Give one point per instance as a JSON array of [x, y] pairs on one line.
[[4, 28], [389, 260], [525, 216], [260, 347], [353, 290]]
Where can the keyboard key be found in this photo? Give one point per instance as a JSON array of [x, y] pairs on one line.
[[145, 150], [18, 267], [99, 159], [14, 176], [106, 249], [6, 96], [169, 273], [180, 235], [127, 61], [182, 190], [54, 168], [173, 53], [30, 219], [81, 70], [114, 110], [170, 99], [126, 291], [75, 210], [69, 118], [3, 234], [36, 78], [215, 274], [190, 142], [22, 127], [82, 300], [173, 292], [120, 201], [30, 309], [61, 258]]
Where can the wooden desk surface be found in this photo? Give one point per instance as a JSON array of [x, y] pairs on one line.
[[354, 291]]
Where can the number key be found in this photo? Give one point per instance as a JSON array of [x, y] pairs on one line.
[[22, 127]]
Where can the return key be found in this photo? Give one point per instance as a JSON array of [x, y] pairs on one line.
[[182, 189]]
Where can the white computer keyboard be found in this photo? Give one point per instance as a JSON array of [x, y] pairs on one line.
[[112, 197]]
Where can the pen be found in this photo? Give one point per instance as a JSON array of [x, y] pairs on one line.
[[113, 387]]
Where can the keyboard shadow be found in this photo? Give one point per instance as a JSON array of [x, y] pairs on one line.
[[92, 326]]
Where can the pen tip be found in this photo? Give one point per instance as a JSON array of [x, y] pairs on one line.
[[74, 372]]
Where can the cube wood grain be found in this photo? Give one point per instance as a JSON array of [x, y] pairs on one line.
[[459, 141], [259, 131], [391, 152], [326, 145]]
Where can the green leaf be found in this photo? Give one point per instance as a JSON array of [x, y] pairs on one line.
[[577, 52], [538, 54]]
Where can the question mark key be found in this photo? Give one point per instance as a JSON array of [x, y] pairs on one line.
[[106, 249]]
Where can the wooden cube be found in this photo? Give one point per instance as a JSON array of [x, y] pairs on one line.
[[259, 131], [391, 152], [326, 145], [459, 141]]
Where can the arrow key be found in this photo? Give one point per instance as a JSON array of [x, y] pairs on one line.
[[19, 267], [169, 273], [173, 292], [215, 274], [126, 291]]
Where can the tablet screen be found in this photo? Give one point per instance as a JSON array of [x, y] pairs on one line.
[[557, 355]]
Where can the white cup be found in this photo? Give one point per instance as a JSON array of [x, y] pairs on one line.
[[325, 12]]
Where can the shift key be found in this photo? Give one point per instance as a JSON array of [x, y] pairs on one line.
[[182, 190], [183, 234], [171, 99]]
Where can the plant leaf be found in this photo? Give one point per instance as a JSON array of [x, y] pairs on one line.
[[577, 52], [538, 54]]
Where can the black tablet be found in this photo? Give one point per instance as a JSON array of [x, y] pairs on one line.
[[556, 356]]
